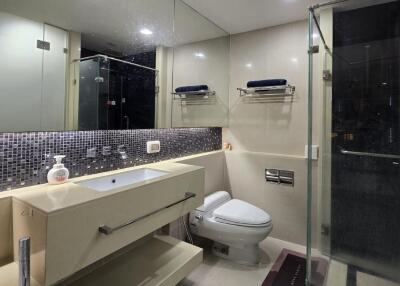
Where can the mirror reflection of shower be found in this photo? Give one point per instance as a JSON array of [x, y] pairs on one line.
[[116, 93]]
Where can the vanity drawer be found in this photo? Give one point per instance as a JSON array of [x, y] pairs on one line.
[[73, 239]]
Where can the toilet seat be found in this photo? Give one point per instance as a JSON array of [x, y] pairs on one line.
[[237, 212]]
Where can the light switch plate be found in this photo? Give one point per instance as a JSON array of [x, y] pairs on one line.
[[153, 147]]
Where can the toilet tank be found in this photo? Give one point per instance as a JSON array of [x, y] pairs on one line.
[[214, 200]]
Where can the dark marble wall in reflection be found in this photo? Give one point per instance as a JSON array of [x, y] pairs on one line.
[[366, 118]]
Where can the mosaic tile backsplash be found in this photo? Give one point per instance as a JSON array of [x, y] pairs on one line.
[[25, 158]]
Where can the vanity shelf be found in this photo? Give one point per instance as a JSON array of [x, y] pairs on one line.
[[157, 261], [160, 261], [267, 91], [201, 97], [9, 275]]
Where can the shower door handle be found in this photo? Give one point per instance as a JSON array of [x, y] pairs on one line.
[[366, 154], [127, 121]]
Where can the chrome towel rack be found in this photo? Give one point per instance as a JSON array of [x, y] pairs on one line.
[[104, 229], [197, 93], [267, 91], [376, 155], [199, 97]]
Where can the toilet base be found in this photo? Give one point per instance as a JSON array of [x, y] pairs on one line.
[[242, 254]]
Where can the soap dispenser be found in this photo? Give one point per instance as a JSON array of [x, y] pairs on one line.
[[58, 174]]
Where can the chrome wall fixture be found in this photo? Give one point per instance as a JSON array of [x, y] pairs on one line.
[[276, 176], [200, 97]]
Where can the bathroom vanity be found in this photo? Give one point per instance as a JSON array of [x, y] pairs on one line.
[[90, 218]]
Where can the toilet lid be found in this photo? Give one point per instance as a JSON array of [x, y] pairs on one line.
[[241, 213]]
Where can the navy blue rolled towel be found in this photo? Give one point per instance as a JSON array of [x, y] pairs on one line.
[[191, 88], [266, 82]]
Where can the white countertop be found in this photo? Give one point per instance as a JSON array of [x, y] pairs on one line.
[[52, 198]]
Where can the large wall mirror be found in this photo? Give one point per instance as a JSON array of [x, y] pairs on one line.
[[99, 64]]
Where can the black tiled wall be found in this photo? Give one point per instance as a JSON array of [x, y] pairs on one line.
[[25, 158], [365, 197]]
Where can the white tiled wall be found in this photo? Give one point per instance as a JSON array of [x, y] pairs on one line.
[[32, 81], [277, 127], [6, 244], [263, 135], [270, 134], [286, 205], [205, 62]]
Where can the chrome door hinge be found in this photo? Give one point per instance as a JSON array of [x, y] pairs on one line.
[[43, 45], [313, 50], [325, 229], [326, 75]]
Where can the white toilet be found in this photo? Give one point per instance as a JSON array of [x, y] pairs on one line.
[[236, 227]]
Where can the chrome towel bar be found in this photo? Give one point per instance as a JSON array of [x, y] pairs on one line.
[[109, 230], [377, 155]]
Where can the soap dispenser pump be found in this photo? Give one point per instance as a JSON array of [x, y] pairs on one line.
[[58, 174]]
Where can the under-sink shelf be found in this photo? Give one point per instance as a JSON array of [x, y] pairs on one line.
[[160, 261], [9, 275]]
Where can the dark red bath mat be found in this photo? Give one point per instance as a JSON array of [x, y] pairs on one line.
[[289, 269]]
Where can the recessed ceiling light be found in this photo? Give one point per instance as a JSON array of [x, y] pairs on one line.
[[295, 60], [249, 65], [146, 31], [199, 55]]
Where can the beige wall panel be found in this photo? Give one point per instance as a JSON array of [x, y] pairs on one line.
[[215, 168], [278, 126], [6, 251], [286, 205]]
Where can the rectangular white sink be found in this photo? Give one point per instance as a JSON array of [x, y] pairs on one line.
[[109, 183]]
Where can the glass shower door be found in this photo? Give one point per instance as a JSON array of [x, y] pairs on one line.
[[357, 87], [93, 94]]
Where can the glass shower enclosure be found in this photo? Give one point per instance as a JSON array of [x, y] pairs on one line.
[[115, 94], [354, 117]]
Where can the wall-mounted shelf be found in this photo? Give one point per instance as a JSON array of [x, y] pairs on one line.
[[201, 97], [267, 91]]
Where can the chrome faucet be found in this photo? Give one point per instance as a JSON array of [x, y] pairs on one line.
[[121, 150], [24, 261], [91, 152], [106, 151]]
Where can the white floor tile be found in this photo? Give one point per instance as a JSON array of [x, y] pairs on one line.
[[215, 271]]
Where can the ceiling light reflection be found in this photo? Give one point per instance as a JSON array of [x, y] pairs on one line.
[[199, 55], [146, 31]]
